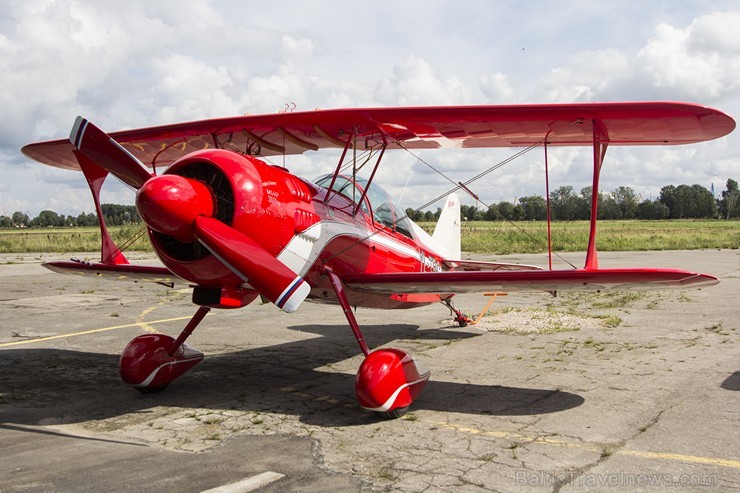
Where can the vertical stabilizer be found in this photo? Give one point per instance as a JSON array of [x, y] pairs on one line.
[[447, 231]]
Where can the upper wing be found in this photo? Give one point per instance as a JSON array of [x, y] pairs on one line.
[[641, 123], [528, 280]]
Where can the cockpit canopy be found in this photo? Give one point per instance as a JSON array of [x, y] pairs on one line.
[[376, 204]]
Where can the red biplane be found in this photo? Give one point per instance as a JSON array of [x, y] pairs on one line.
[[236, 228]]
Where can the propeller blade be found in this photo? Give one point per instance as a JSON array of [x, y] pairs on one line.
[[255, 265], [107, 153]]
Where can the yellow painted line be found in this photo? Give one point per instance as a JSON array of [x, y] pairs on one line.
[[93, 331], [145, 325], [550, 440], [682, 458], [505, 434], [561, 443], [248, 484]]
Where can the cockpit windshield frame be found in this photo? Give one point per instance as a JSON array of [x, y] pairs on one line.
[[376, 203]]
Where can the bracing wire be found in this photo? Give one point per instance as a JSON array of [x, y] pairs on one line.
[[463, 185]]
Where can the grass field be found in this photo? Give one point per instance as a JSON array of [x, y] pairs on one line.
[[531, 237], [66, 240], [482, 237]]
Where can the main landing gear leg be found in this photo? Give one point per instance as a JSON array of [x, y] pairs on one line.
[[151, 361], [388, 380], [461, 319]]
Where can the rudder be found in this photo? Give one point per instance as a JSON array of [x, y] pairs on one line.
[[447, 231]]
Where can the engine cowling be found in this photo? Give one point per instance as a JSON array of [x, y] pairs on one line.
[[243, 192]]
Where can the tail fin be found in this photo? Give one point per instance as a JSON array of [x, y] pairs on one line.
[[447, 231]]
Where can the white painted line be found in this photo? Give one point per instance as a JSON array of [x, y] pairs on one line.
[[249, 484]]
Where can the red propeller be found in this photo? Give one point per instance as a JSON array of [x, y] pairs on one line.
[[255, 265], [182, 208], [107, 153]]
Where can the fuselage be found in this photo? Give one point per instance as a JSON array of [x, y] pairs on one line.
[[307, 226]]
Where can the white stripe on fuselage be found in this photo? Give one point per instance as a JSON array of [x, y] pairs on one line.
[[303, 250]]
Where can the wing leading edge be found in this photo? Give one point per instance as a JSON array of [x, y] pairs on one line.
[[529, 280], [432, 127]]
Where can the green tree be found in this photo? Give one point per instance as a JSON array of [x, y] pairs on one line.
[[534, 208], [506, 210], [117, 215], [648, 209], [608, 207], [492, 214], [682, 202], [468, 212], [626, 201], [583, 203], [704, 203], [666, 197], [20, 219], [693, 202], [729, 204], [87, 219], [564, 203], [47, 219]]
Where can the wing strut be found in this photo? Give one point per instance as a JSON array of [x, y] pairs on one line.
[[372, 175], [547, 196], [110, 254], [600, 143], [350, 139]]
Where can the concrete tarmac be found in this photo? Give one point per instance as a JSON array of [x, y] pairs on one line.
[[625, 391]]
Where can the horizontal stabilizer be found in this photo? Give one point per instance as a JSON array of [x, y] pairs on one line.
[[472, 265]]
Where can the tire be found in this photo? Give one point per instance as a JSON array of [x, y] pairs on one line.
[[152, 390], [394, 413]]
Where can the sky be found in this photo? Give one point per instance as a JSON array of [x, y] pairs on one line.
[[143, 63]]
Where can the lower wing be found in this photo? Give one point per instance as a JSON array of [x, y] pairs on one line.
[[529, 280], [160, 275]]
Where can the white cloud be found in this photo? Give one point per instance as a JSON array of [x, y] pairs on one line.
[[497, 89], [587, 76], [415, 82], [717, 32], [294, 50], [700, 62]]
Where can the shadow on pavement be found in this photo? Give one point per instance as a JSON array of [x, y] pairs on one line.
[[52, 386], [732, 382]]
